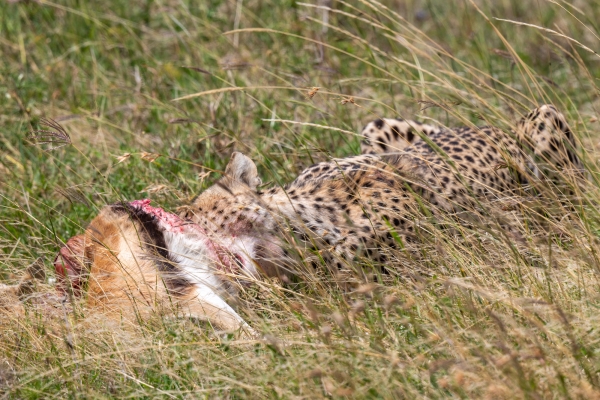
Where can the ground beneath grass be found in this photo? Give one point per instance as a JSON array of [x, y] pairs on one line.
[[154, 97]]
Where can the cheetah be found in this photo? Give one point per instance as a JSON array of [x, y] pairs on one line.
[[366, 204], [541, 133], [351, 208]]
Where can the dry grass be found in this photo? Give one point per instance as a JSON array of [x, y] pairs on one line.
[[479, 313]]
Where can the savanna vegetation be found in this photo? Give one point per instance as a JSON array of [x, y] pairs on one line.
[[155, 96]]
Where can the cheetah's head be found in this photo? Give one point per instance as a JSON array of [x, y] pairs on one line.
[[233, 213]]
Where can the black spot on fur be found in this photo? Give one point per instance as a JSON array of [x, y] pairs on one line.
[[541, 126]]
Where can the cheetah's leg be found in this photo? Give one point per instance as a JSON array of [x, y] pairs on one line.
[[552, 143], [388, 135]]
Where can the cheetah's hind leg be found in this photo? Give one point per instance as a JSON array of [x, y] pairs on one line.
[[390, 135], [546, 134]]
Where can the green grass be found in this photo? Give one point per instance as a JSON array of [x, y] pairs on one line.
[[479, 316]]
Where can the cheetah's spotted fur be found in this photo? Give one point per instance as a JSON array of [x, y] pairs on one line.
[[365, 204]]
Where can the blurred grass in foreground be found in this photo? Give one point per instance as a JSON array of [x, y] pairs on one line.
[[480, 317]]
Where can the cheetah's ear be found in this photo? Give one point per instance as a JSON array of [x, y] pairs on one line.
[[243, 169]]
